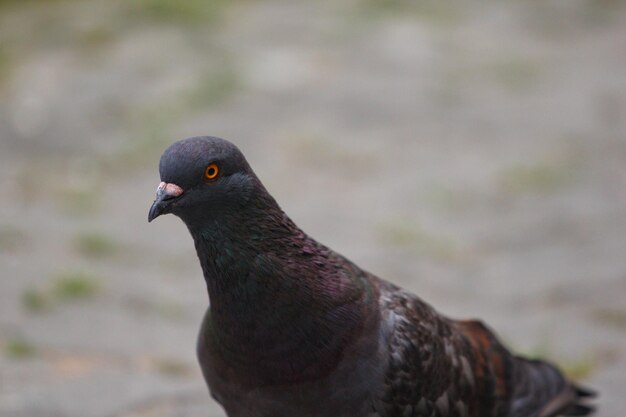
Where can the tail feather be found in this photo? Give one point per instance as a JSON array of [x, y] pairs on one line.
[[584, 391], [578, 410], [540, 390]]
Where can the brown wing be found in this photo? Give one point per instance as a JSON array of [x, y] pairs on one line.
[[444, 368], [535, 388], [435, 369]]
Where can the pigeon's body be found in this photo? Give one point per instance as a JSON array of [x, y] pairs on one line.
[[295, 329]]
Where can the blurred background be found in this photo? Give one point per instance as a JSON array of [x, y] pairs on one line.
[[474, 152]]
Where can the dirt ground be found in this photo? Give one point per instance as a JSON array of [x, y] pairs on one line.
[[473, 152]]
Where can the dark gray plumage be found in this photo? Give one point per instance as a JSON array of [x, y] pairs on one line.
[[295, 329]]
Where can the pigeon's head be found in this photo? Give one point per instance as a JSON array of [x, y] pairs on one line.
[[202, 177]]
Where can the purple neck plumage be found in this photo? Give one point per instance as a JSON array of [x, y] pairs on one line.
[[275, 293]]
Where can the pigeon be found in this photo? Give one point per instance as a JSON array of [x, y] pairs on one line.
[[294, 329]]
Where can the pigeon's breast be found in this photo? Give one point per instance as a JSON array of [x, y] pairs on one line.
[[348, 391]]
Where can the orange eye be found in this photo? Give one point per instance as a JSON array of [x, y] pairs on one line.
[[211, 172]]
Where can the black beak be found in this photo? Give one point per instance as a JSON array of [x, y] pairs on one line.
[[166, 192]]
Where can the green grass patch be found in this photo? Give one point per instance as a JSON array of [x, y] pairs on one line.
[[181, 11], [172, 367], [10, 238], [444, 198], [612, 317], [214, 87], [94, 40], [19, 349], [79, 200], [579, 369], [75, 285], [410, 235], [517, 74], [35, 301], [23, 2], [95, 244], [541, 177], [5, 66], [149, 306], [431, 11], [169, 310], [65, 286]]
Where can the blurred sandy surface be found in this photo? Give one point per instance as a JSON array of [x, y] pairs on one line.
[[474, 153]]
